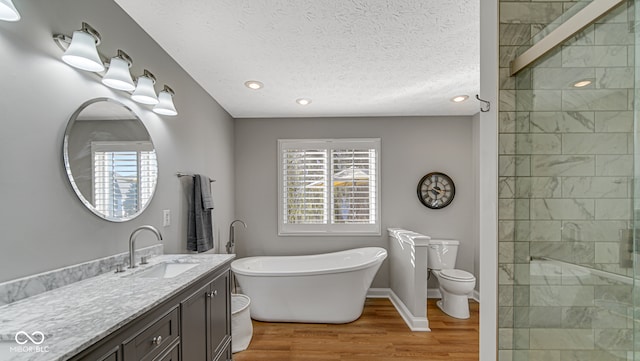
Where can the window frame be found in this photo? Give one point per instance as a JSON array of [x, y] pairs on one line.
[[138, 147], [328, 228]]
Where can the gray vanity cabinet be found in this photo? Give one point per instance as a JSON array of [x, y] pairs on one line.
[[206, 322], [193, 325]]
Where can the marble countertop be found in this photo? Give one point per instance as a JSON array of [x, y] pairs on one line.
[[73, 317]]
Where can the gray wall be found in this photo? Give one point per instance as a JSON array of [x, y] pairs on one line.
[[411, 147], [43, 224]]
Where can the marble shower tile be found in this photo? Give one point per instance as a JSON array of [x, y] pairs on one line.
[[594, 99], [557, 296], [506, 187], [505, 252], [545, 317], [540, 100], [614, 122], [538, 143], [526, 12], [561, 339], [607, 252], [614, 78], [562, 122], [614, 165], [506, 165], [507, 54], [505, 295], [522, 209], [506, 122], [507, 143], [545, 273], [506, 274], [522, 122], [594, 187], [507, 100], [563, 165], [538, 231], [538, 187], [560, 78], [614, 339], [577, 317], [619, 209], [514, 34], [560, 209], [521, 338], [594, 56], [597, 143], [506, 231], [540, 355], [521, 295], [521, 252], [572, 252], [614, 34], [523, 165], [506, 209], [592, 231]]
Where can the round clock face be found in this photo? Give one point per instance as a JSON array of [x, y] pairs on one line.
[[436, 190]]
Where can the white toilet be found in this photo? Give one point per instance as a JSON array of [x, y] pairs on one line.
[[455, 284]]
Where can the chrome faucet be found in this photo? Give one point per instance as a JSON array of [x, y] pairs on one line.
[[132, 242], [232, 241]]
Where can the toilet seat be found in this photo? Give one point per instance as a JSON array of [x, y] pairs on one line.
[[456, 275]]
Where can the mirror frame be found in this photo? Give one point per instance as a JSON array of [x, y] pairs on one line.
[[67, 165]]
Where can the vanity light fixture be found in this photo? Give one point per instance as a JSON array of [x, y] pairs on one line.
[[253, 84], [582, 83], [82, 52], [459, 98], [8, 11], [118, 75], [303, 101], [145, 93], [165, 104]]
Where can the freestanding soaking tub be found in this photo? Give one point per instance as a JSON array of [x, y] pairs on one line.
[[323, 288]]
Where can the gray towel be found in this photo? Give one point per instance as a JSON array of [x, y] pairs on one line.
[[205, 189], [200, 226]]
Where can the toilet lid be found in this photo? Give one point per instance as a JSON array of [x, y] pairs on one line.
[[457, 274]]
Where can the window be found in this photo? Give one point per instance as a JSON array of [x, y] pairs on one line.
[[124, 176], [329, 186]]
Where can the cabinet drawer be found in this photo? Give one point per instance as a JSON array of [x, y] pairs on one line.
[[153, 339]]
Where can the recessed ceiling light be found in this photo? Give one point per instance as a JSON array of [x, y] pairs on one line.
[[582, 83], [459, 98], [253, 84], [303, 101]]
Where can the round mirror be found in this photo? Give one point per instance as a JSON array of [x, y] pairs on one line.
[[110, 160]]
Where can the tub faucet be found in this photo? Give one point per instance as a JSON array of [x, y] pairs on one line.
[[232, 241], [132, 242]]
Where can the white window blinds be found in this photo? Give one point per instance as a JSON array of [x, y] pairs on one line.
[[329, 186], [123, 176]]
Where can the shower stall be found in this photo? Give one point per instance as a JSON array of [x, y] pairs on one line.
[[569, 257]]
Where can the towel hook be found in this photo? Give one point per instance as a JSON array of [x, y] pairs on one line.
[[488, 104]]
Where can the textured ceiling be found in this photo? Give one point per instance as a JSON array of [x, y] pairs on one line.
[[351, 57]]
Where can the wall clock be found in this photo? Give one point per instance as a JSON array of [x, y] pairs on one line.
[[436, 190]]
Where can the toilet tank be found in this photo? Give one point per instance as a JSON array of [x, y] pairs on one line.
[[442, 253]]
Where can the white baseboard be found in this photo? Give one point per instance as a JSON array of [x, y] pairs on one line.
[[415, 323]]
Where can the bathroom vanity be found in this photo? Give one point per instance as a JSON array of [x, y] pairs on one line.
[[178, 307]]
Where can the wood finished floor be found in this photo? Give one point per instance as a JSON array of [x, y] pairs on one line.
[[379, 335]]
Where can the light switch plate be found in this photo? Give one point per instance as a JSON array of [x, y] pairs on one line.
[[166, 218]]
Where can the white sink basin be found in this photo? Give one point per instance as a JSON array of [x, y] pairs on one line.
[[165, 270]]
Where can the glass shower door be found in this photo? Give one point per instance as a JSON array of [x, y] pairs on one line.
[[573, 191]]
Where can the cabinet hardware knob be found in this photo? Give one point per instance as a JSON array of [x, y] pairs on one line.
[[156, 340], [212, 294]]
